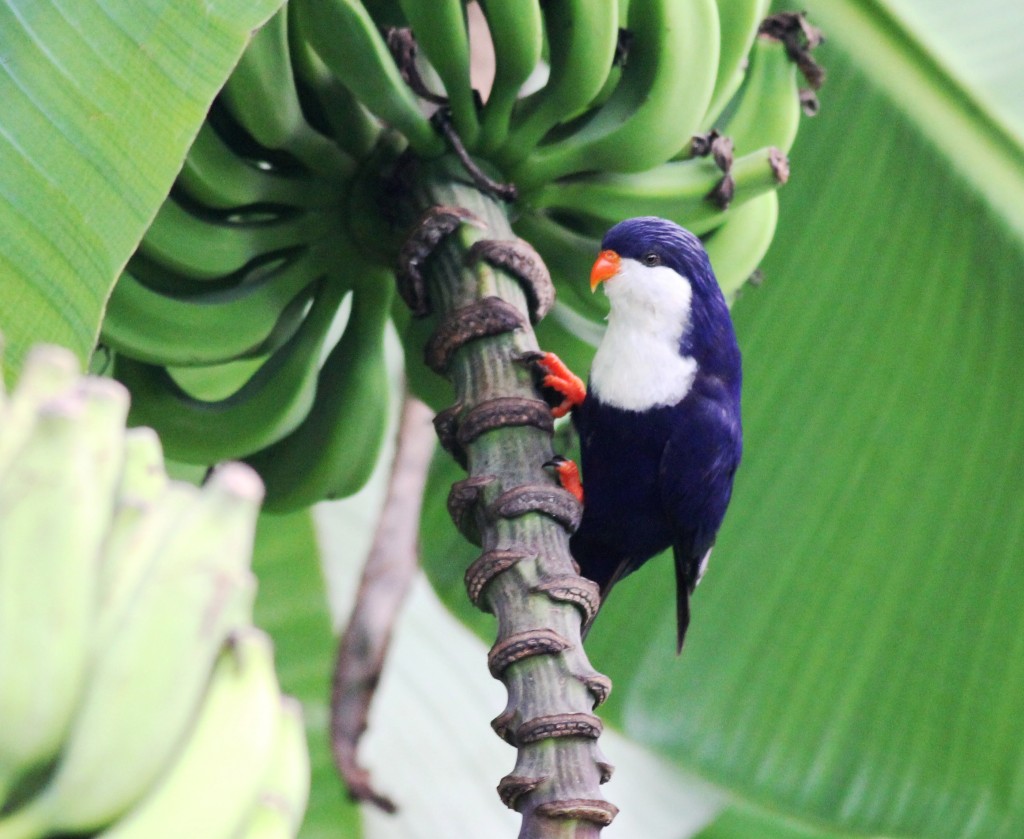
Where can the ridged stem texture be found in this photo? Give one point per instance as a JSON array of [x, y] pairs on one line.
[[499, 428]]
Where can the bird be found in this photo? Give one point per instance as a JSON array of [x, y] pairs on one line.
[[659, 419]]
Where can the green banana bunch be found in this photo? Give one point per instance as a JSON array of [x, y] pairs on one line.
[[771, 78], [678, 108], [350, 44], [267, 407], [737, 246], [738, 23], [246, 260], [146, 323], [284, 788], [262, 97], [441, 32], [581, 39], [212, 786], [660, 98], [517, 34], [129, 668], [680, 190], [62, 451], [332, 453]]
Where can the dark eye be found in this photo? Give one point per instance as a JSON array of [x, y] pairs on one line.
[[651, 259]]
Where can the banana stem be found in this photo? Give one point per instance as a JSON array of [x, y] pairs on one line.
[[513, 509]]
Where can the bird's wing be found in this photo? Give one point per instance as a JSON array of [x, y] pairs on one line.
[[696, 475]]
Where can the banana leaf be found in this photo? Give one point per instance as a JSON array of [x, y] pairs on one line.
[[101, 101]]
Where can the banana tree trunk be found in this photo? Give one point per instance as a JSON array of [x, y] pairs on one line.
[[500, 431]]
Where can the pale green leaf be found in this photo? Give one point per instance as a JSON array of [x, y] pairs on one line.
[[101, 101]]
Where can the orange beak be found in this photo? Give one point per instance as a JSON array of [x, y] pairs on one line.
[[606, 267]]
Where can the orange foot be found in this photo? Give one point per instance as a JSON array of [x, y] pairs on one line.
[[561, 379], [568, 475]]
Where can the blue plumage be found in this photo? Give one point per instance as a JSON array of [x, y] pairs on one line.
[[659, 447]]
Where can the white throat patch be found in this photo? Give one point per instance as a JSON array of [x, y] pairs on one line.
[[638, 365]]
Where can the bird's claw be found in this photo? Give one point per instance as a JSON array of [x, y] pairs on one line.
[[568, 475], [558, 377]]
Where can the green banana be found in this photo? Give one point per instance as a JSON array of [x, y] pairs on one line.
[[738, 21], [344, 118], [261, 96], [222, 324], [346, 38], [581, 37], [56, 497], [143, 477], [767, 110], [678, 190], [218, 177], [136, 707], [334, 451], [204, 248], [517, 33], [442, 35], [664, 91], [569, 256], [737, 247], [47, 372], [283, 792], [144, 482], [266, 408], [214, 780]]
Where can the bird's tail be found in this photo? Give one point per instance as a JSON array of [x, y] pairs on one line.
[[682, 610]]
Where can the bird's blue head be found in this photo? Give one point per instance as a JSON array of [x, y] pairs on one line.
[[653, 241], [659, 282]]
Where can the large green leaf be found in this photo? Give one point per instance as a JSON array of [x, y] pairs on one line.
[[292, 607], [858, 645], [101, 100]]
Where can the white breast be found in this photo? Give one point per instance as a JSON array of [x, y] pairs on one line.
[[638, 365]]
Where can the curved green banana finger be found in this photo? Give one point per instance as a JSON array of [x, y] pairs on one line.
[[440, 30], [57, 495], [260, 94], [768, 109], [48, 371], [210, 249], [738, 21], [517, 33], [215, 779], [329, 104], [196, 590], [581, 36], [218, 326], [266, 408], [216, 176], [679, 190], [281, 801], [737, 247], [346, 38], [659, 102], [334, 451]]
